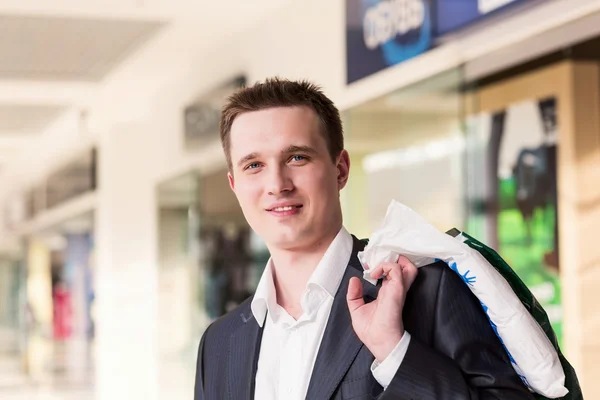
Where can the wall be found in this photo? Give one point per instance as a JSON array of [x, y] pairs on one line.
[[126, 268]]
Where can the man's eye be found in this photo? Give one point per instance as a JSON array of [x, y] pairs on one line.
[[298, 157], [253, 165]]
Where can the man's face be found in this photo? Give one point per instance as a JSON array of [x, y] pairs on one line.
[[284, 178]]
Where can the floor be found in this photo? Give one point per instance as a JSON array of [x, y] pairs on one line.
[[49, 379]]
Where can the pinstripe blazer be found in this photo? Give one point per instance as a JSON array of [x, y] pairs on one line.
[[453, 353]]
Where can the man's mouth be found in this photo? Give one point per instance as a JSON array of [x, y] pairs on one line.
[[284, 208], [287, 208]]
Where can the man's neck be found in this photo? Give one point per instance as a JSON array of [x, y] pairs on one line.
[[292, 270]]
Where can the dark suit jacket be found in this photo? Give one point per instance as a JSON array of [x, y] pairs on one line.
[[453, 353]]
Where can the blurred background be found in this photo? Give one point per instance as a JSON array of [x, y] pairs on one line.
[[120, 240]]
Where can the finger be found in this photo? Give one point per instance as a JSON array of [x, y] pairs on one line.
[[355, 294], [409, 271], [392, 270]]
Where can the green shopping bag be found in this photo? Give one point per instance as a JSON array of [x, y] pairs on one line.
[[531, 304]]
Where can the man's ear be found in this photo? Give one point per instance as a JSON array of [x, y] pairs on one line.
[[343, 169], [231, 181]]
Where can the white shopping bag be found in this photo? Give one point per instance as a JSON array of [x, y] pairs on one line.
[[404, 232]]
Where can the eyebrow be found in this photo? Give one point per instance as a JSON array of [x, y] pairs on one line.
[[247, 158], [299, 149], [288, 150]]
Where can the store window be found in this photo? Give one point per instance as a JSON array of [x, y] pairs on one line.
[[58, 328], [210, 261], [512, 141], [408, 146]]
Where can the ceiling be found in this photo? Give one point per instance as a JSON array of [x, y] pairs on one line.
[[66, 55], [43, 48]]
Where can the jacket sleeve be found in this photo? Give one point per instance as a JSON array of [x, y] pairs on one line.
[[466, 359], [199, 382]]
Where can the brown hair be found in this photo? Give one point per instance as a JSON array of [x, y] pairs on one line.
[[278, 92]]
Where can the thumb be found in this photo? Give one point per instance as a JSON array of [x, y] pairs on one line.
[[355, 294], [409, 271]]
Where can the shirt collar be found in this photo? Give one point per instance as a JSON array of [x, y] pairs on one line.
[[331, 268], [327, 276], [264, 298]]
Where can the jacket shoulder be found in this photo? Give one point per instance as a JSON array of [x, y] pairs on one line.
[[435, 283], [435, 277], [428, 280], [230, 322]]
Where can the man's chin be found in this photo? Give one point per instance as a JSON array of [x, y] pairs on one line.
[[286, 241]]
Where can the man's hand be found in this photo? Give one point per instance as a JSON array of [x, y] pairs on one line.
[[379, 324]]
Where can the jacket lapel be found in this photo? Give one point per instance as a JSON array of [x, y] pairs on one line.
[[242, 359], [340, 345]]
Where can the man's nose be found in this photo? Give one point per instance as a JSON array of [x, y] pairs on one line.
[[280, 181]]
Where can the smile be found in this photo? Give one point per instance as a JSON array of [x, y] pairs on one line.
[[285, 210]]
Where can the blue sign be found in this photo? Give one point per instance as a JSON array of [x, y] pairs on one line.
[[451, 15], [381, 33]]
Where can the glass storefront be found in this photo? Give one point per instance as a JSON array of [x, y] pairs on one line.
[[408, 146], [60, 326], [12, 283], [438, 148], [209, 262], [512, 184]]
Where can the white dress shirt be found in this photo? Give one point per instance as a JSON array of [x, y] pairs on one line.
[[289, 347]]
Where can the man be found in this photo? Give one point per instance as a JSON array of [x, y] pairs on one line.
[[314, 329]]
